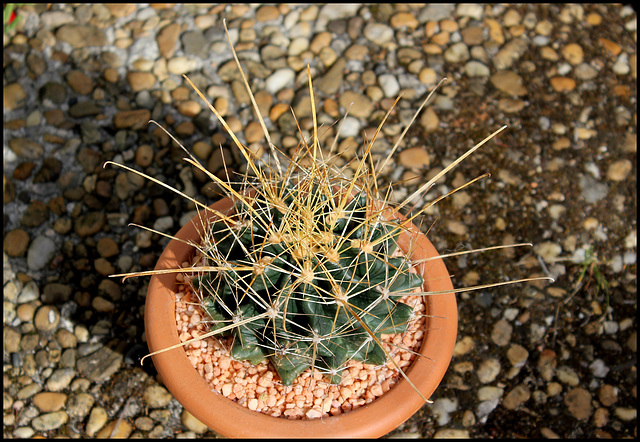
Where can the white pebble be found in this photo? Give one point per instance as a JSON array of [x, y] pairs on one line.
[[350, 127], [389, 85], [598, 368], [279, 80], [621, 66], [442, 407]]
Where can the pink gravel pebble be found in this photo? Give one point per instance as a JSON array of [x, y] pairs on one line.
[[311, 396]]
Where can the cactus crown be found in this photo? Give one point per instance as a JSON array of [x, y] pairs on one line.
[[310, 278]]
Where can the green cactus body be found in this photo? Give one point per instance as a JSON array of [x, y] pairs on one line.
[[302, 286]]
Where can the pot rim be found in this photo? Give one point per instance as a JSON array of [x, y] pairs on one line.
[[228, 418]]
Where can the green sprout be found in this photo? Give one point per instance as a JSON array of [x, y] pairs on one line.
[[591, 263], [9, 17]]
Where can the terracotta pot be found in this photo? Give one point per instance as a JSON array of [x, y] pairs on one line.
[[232, 420]]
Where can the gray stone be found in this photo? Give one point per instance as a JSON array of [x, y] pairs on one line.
[[510, 52], [194, 43], [488, 370], [485, 408], [599, 368], [330, 82], [378, 33], [50, 421], [436, 12], [457, 53], [156, 396], [40, 252], [335, 11], [53, 91], [85, 108], [80, 36], [97, 419], [60, 379], [183, 65], [501, 333], [55, 19], [592, 190], [26, 148], [99, 366], [476, 69], [472, 10], [30, 292]]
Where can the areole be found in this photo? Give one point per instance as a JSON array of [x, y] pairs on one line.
[[233, 420]]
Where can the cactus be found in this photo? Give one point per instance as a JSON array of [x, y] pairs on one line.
[[305, 270], [312, 271]]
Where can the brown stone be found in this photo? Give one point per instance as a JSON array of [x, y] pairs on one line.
[[133, 119], [578, 401], [609, 46], [267, 13], [573, 53], [107, 247], [85, 108], [594, 19], [8, 189], [141, 80], [429, 120], [111, 75], [495, 30], [144, 155], [277, 110], [185, 129], [563, 84], [357, 52], [414, 158], [117, 429], [25, 148], [15, 124], [362, 106], [16, 242], [37, 212], [404, 19], [608, 395], [509, 82], [320, 41], [47, 318], [79, 36], [80, 82], [516, 397], [120, 10], [330, 82], [253, 132], [167, 39], [54, 117], [619, 170], [13, 95], [90, 224], [23, 170], [47, 401], [189, 108], [472, 35]]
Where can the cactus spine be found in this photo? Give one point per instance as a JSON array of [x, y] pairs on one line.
[[310, 275]]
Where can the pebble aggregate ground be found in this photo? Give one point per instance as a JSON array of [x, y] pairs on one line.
[[81, 82]]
